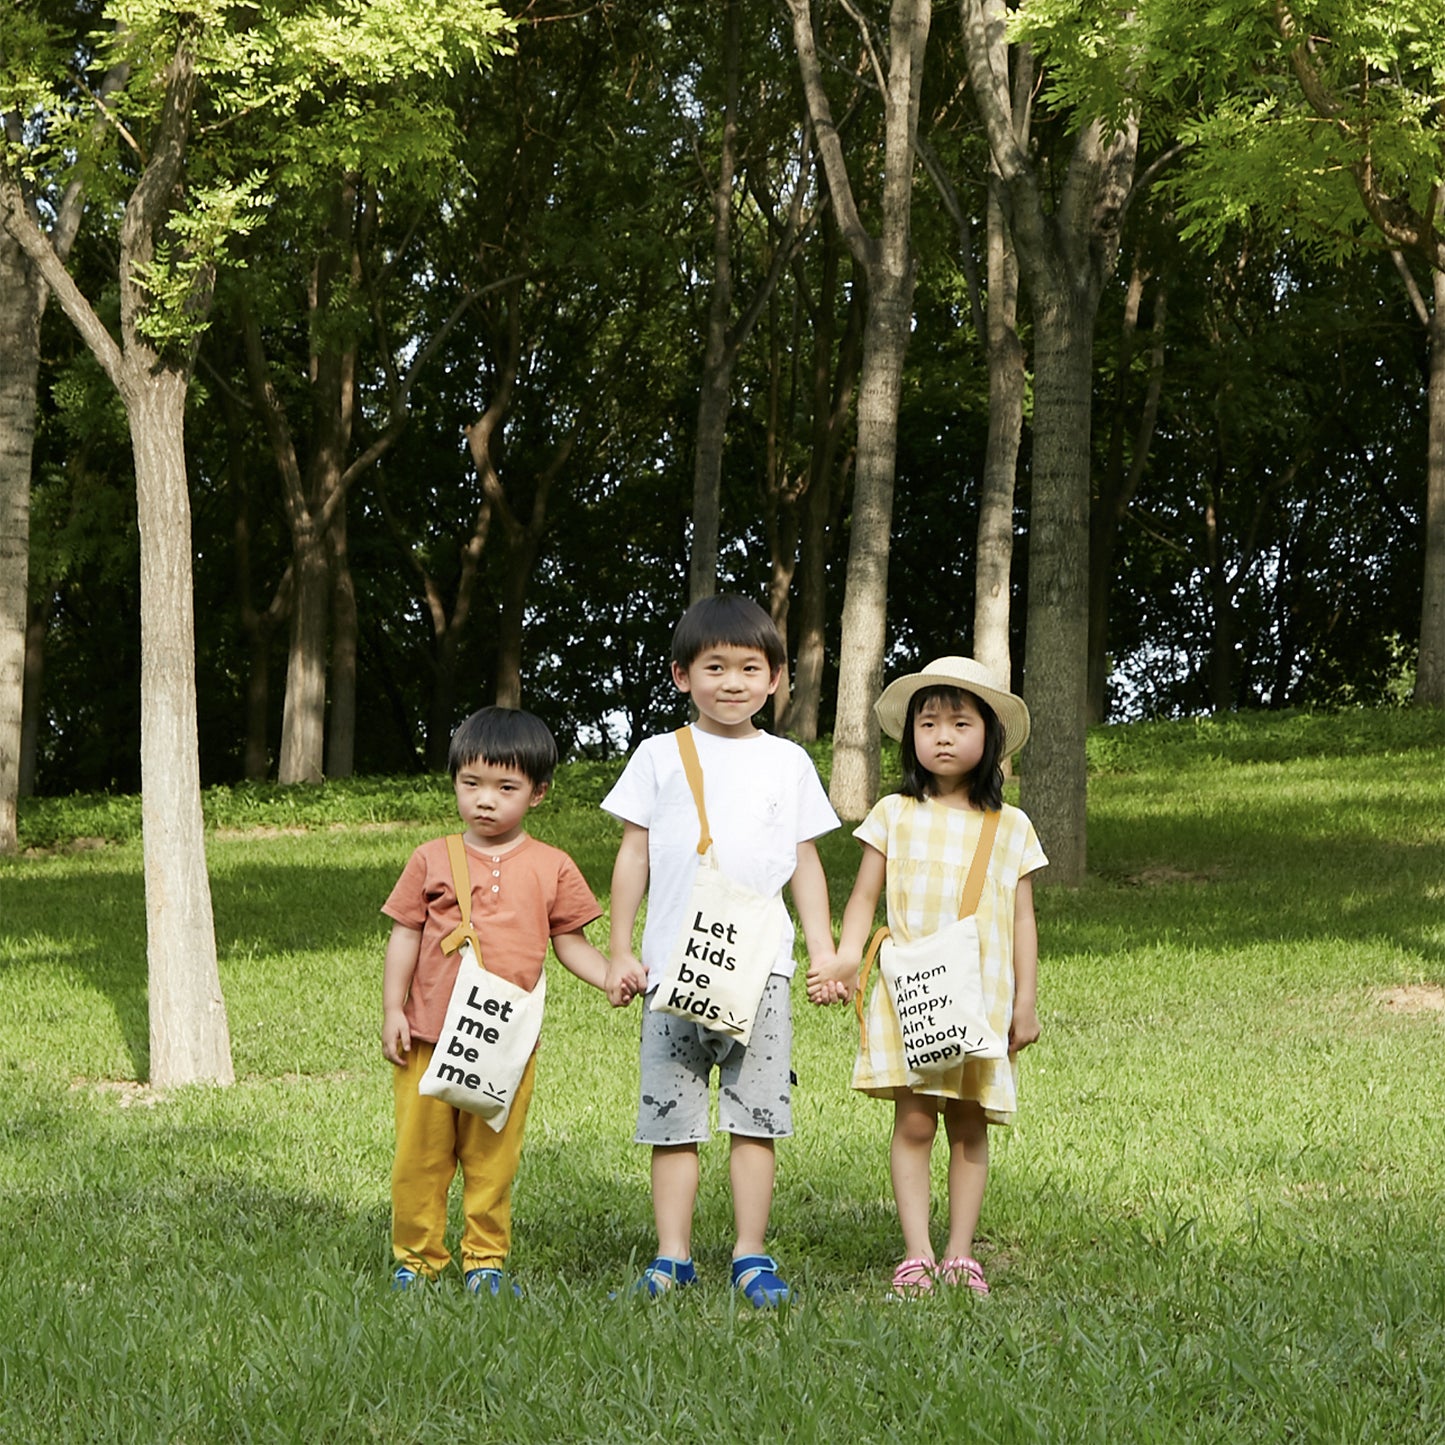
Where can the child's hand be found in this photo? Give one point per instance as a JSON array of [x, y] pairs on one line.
[[626, 978], [395, 1037], [831, 979], [1024, 1029]]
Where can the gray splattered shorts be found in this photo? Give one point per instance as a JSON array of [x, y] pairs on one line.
[[754, 1083]]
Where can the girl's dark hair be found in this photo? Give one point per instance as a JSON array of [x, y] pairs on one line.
[[985, 783], [505, 737], [727, 621]]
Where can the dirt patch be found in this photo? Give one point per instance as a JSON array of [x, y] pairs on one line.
[[1164, 874], [130, 1093], [1414, 998], [300, 830], [71, 845], [264, 830]]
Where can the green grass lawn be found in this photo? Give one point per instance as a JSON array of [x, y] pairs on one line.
[[1218, 1217]]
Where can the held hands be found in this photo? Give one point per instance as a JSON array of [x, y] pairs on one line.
[[626, 979], [831, 979], [395, 1037]]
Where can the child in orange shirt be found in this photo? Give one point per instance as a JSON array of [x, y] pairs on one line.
[[525, 893]]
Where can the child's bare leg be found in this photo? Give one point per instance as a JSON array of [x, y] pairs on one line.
[[752, 1167], [967, 1172], [915, 1122], [674, 1197]]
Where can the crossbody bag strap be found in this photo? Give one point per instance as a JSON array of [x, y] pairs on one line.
[[692, 766], [968, 904], [978, 869], [462, 882]]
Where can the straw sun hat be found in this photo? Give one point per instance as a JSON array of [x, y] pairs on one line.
[[961, 672]]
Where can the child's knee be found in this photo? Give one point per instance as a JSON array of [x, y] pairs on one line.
[[915, 1126], [965, 1121]]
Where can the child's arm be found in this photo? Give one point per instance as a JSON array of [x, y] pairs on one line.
[[809, 887], [403, 949], [1025, 1026], [857, 924], [626, 977], [577, 955]]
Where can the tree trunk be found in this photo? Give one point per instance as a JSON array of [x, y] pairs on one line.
[[314, 503], [189, 1036], [993, 562], [258, 705], [865, 598], [190, 1039], [1065, 255], [834, 384], [1430, 671], [888, 263], [1054, 774], [303, 713], [24, 296], [1221, 598], [521, 557], [718, 354], [341, 742], [442, 708], [35, 637]]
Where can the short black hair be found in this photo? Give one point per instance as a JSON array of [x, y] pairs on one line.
[[506, 737], [985, 782], [727, 621]]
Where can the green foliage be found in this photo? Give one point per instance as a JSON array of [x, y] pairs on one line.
[[290, 90], [1216, 76], [178, 281], [1216, 1218], [1273, 737]]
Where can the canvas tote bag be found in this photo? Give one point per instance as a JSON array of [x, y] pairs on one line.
[[936, 984], [729, 939], [491, 1025]]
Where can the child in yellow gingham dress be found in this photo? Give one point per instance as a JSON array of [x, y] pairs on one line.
[[957, 727], [928, 847]]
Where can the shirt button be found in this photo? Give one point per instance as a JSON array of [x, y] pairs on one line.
[[495, 888]]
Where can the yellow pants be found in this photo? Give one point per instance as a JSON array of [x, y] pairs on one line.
[[432, 1138]]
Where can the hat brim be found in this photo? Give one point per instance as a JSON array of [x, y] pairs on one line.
[[892, 707]]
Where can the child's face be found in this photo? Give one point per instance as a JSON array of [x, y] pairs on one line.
[[729, 684], [494, 801], [949, 738]]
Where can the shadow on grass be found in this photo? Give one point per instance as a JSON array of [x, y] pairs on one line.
[[1264, 881]]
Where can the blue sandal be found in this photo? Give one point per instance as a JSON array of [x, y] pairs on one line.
[[487, 1280], [665, 1274], [755, 1276]]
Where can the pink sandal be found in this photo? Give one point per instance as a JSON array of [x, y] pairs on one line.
[[913, 1279], [965, 1270]]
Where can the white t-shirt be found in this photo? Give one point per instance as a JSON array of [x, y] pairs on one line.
[[763, 798]]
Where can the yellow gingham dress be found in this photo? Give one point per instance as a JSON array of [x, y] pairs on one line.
[[928, 847]]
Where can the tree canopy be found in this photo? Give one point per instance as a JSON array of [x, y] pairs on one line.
[[508, 270]]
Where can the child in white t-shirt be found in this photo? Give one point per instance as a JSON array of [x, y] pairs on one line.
[[765, 805]]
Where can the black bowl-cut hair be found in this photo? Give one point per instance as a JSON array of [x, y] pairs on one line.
[[727, 621], [506, 737]]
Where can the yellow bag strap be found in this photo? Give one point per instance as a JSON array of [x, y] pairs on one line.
[[968, 904], [862, 988], [978, 869], [692, 766], [462, 881]]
